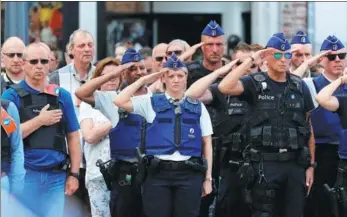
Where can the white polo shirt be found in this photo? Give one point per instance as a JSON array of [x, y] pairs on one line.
[[143, 106]]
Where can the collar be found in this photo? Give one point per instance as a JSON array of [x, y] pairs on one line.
[[323, 73], [169, 97], [28, 88], [8, 79], [76, 75]]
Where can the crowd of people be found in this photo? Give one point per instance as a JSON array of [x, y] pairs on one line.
[[155, 133]]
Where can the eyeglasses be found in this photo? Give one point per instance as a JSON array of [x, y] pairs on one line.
[[11, 55], [160, 59], [332, 57], [36, 61], [278, 56], [239, 63], [176, 52]]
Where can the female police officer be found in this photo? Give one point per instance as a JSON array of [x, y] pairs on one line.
[[178, 134]]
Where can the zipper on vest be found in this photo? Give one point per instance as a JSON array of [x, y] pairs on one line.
[[177, 130]]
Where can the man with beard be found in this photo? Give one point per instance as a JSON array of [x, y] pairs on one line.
[[124, 135], [12, 59], [213, 45]]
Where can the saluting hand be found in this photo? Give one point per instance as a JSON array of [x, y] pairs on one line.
[[226, 68], [148, 79], [316, 59], [51, 117], [190, 51]]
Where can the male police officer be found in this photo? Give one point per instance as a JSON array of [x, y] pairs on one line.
[[278, 132], [178, 135], [326, 125], [47, 118], [127, 133], [301, 50]]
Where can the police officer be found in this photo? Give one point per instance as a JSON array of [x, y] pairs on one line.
[[278, 132], [125, 135], [301, 50], [47, 118], [326, 126], [12, 60], [178, 135], [212, 48]]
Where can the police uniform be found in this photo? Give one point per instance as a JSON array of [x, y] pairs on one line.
[[327, 128], [278, 135], [196, 70], [6, 82], [175, 170], [301, 38], [125, 136], [231, 133], [46, 158]]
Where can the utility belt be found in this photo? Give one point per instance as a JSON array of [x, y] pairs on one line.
[[280, 155], [194, 163], [123, 172]]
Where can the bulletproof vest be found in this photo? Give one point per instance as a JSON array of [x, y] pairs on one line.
[[326, 124], [234, 121], [343, 144], [5, 144], [176, 127], [278, 119], [127, 135], [4, 84], [46, 137]]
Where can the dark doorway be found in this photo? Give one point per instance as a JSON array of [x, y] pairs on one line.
[[246, 19], [187, 27]]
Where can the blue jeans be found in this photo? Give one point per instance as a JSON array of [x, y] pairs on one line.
[[44, 192]]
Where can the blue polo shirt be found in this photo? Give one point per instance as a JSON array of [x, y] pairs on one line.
[[45, 158]]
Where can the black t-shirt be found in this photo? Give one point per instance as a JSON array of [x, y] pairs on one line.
[[342, 110], [196, 70], [250, 94]]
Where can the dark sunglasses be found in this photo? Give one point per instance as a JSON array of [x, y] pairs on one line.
[[239, 63], [11, 55], [160, 59], [278, 56], [176, 52], [36, 61], [332, 57]]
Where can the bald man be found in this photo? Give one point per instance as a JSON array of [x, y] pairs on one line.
[[159, 56], [12, 60], [49, 126]]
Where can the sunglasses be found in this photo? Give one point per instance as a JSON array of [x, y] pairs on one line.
[[278, 56], [11, 55], [160, 59], [36, 61], [332, 57], [176, 52], [239, 63]]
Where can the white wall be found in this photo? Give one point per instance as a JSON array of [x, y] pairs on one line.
[[330, 18], [88, 20]]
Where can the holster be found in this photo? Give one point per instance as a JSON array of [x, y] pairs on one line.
[[104, 169]]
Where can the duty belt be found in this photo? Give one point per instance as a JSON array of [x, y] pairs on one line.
[[277, 156], [193, 164]]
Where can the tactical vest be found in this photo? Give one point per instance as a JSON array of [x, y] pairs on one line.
[[232, 129], [326, 124], [278, 120], [127, 135], [175, 127], [5, 144], [343, 144], [46, 137]]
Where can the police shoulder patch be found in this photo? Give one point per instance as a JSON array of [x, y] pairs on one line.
[[259, 77], [192, 101]]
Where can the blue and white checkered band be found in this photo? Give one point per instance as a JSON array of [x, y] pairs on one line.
[[303, 39], [283, 47], [334, 47], [213, 32]]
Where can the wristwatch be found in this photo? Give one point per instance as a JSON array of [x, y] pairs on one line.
[[76, 175], [313, 165]]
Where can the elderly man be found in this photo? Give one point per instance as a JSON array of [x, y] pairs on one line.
[[47, 122], [12, 59]]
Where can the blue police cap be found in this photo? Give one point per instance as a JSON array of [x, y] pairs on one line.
[[213, 29], [332, 43], [174, 62], [131, 55], [300, 38], [278, 42]]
